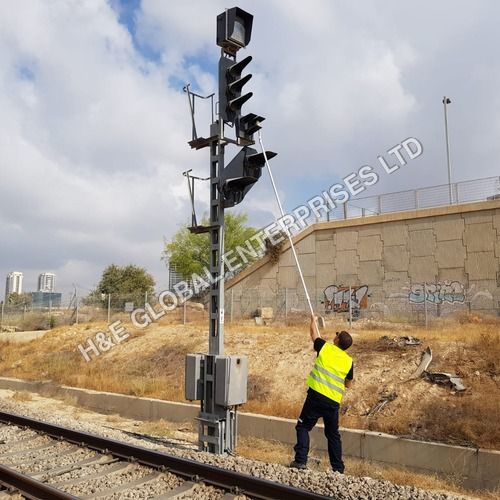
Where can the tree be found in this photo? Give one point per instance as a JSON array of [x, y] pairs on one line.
[[19, 300], [125, 284], [189, 253]]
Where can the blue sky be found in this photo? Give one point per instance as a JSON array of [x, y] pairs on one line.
[[95, 123], [126, 12]]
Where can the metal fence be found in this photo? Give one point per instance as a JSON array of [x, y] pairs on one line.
[[418, 304], [108, 308], [428, 197]]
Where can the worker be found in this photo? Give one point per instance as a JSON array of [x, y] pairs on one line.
[[331, 374]]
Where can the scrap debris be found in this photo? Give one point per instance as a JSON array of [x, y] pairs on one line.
[[446, 379], [404, 341], [424, 364], [384, 399], [440, 378], [411, 340]]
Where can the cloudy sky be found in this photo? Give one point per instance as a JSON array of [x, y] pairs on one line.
[[94, 123]]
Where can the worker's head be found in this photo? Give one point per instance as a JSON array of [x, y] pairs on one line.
[[343, 340]]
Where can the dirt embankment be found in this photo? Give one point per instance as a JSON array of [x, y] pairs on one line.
[[151, 363]]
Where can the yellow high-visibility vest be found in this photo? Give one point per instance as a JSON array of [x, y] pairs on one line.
[[328, 375]]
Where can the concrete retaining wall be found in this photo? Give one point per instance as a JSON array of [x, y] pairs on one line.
[[386, 259], [479, 468]]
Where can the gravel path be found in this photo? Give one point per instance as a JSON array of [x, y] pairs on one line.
[[327, 483]]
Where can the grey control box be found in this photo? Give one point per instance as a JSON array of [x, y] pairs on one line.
[[194, 377], [231, 374]]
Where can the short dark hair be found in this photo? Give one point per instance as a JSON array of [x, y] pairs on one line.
[[345, 340]]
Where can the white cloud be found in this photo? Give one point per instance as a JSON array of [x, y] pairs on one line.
[[94, 134], [93, 142]]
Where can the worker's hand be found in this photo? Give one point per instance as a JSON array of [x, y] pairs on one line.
[[314, 328]]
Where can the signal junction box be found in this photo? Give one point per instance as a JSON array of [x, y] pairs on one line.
[[231, 373], [194, 380]]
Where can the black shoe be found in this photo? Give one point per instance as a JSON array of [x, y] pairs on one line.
[[297, 465]]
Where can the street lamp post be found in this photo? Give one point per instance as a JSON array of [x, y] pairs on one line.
[[446, 101]]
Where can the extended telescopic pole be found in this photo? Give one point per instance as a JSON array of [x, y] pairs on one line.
[[292, 246]]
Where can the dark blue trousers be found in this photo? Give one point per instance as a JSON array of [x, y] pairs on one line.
[[314, 408]]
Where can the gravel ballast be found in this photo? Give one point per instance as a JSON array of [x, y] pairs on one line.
[[326, 483]]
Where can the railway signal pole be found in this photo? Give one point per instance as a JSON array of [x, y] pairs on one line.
[[218, 381]]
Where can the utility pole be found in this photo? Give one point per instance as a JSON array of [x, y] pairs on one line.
[[446, 101], [77, 310], [109, 308], [218, 381]]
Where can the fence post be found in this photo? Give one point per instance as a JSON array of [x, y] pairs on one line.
[[109, 308], [425, 305], [184, 312], [379, 205], [232, 304], [286, 304], [145, 298], [345, 210], [350, 306], [1, 316]]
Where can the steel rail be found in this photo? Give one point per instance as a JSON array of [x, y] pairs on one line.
[[192, 470], [29, 487]]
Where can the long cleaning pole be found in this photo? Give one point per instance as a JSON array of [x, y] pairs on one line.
[[292, 246]]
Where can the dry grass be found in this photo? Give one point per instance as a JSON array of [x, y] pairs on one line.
[[276, 407], [22, 396], [151, 363], [113, 419], [266, 451], [163, 428]]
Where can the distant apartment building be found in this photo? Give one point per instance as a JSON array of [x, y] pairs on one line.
[[47, 282], [14, 283]]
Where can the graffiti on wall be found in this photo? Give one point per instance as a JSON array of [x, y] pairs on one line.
[[337, 298], [437, 293]]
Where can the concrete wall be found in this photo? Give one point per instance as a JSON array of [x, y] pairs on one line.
[[454, 250], [478, 468]]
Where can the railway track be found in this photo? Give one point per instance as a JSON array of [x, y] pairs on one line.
[[45, 461]]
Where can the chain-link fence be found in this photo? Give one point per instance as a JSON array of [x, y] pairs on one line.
[[25, 317], [417, 304], [105, 308]]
